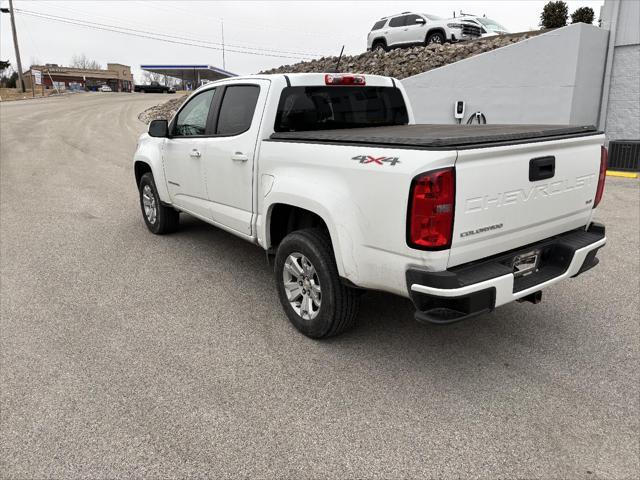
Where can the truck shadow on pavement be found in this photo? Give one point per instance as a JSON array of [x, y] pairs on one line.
[[384, 320]]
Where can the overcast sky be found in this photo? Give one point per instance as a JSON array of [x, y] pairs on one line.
[[258, 35]]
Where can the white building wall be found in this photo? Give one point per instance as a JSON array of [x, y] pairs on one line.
[[554, 78], [622, 104]]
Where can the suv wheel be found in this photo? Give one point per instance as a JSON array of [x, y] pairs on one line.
[[435, 37], [316, 302], [158, 218], [379, 47]]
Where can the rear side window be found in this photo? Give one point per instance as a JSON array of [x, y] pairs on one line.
[[378, 25], [236, 111], [334, 107], [398, 21]]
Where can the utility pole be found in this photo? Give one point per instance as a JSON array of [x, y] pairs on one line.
[[15, 44], [224, 64]]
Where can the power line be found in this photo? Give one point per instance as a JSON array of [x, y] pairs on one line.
[[69, 19], [179, 37], [169, 38], [192, 18]]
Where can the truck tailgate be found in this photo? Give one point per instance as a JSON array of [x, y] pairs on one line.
[[511, 196]]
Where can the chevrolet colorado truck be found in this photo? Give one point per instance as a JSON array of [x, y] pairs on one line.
[[329, 174]]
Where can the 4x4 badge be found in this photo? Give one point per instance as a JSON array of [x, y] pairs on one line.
[[377, 160]]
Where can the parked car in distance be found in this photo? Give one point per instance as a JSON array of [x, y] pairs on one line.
[[410, 29], [330, 175], [488, 27], [105, 88], [153, 87]]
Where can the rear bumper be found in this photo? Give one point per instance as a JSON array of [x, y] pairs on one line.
[[478, 287]]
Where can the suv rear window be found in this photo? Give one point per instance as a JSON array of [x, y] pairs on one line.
[[378, 25], [334, 107]]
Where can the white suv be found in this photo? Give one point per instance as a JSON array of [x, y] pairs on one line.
[[409, 29]]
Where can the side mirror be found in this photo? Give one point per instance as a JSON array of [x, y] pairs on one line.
[[159, 128], [420, 21]]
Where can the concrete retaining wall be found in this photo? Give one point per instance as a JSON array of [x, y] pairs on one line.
[[553, 78]]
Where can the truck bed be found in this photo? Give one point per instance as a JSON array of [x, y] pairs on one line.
[[439, 137]]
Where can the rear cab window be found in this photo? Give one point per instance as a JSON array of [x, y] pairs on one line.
[[335, 107]]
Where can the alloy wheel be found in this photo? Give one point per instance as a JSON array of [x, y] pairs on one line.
[[149, 204], [302, 286]]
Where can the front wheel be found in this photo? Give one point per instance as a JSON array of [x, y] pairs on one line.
[[315, 300], [158, 218], [436, 37]]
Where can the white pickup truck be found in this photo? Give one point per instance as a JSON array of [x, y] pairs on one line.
[[329, 174]]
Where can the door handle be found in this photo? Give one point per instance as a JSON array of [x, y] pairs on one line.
[[195, 153], [239, 157], [542, 168]]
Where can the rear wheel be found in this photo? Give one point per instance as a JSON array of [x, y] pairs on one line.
[[379, 47], [315, 300], [158, 218]]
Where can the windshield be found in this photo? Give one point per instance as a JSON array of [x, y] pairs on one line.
[[335, 107], [492, 24], [432, 17]]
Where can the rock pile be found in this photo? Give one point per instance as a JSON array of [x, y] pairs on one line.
[[163, 111], [402, 63], [399, 63]]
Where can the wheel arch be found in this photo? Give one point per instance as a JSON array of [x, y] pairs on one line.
[[379, 40], [142, 165], [436, 30], [285, 216]]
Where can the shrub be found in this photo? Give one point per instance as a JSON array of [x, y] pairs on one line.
[[583, 15], [554, 15]]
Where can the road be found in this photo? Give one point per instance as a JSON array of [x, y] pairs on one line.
[[125, 354]]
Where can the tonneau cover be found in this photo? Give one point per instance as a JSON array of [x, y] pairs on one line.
[[433, 136]]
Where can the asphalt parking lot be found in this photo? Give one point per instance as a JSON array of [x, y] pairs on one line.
[[126, 354]]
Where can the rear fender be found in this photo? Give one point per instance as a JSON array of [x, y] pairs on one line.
[[335, 208]]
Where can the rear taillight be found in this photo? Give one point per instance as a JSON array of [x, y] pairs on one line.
[[430, 216], [604, 160], [343, 79]]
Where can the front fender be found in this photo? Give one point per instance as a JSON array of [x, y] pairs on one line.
[[149, 152]]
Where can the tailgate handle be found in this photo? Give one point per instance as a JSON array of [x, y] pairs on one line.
[[542, 168]]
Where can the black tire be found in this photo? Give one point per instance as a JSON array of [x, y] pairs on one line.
[[339, 303], [166, 219], [435, 37], [379, 46]]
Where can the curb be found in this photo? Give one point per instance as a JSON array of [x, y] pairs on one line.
[[614, 173]]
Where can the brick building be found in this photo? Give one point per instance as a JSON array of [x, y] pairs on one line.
[[116, 76]]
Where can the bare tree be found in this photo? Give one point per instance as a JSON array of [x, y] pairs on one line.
[[35, 61], [82, 61]]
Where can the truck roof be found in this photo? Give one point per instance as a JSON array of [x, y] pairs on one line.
[[309, 79]]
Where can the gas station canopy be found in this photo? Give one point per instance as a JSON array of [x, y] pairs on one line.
[[193, 74]]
